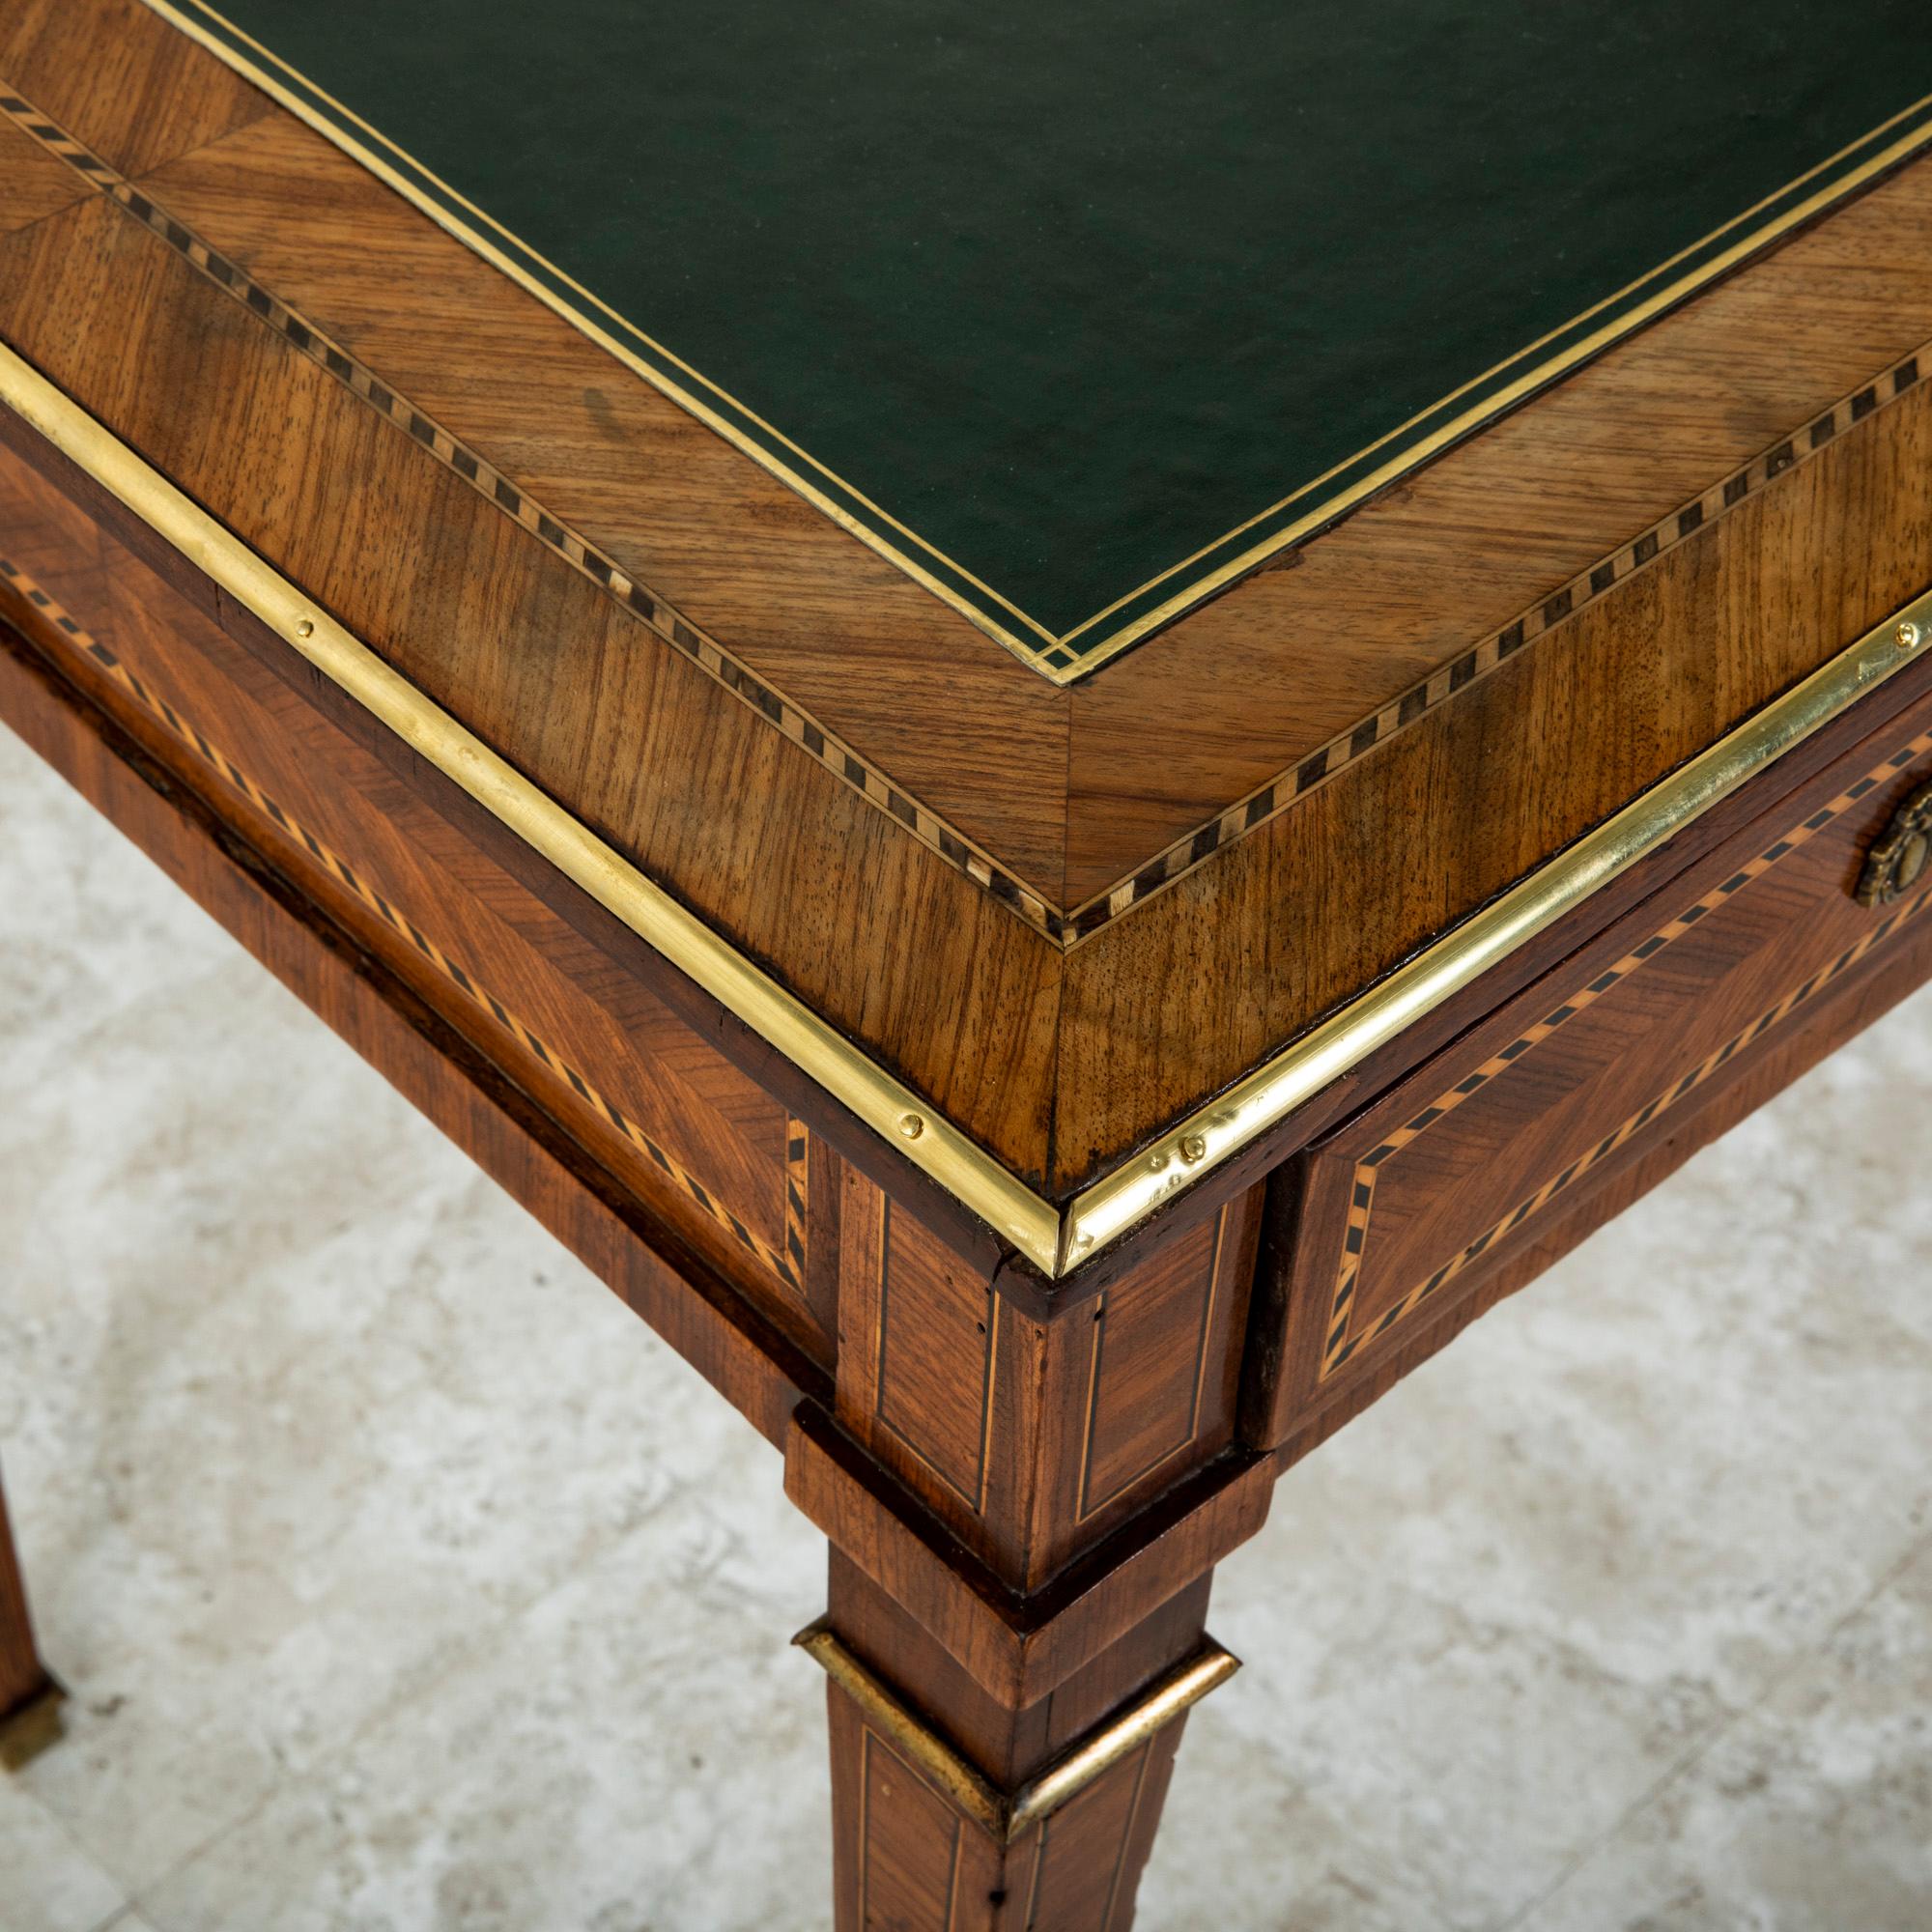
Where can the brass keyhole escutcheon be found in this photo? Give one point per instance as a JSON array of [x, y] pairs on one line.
[[1897, 860]]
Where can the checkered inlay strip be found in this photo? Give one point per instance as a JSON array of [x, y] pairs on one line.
[[1495, 651], [827, 748]]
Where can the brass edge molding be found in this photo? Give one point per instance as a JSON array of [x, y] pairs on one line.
[[1006, 1817], [1120, 1735], [891, 1110], [906, 1733], [1104, 1211], [1054, 1243]]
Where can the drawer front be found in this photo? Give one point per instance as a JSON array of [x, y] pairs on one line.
[[1411, 1206], [715, 1158]]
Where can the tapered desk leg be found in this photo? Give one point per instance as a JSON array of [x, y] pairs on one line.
[[952, 1813], [24, 1682]]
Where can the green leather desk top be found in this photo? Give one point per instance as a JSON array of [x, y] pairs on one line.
[[1077, 311]]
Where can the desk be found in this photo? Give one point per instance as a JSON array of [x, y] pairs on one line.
[[1054, 920]]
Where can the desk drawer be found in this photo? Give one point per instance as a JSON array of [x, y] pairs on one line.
[[1411, 1210], [715, 1160]]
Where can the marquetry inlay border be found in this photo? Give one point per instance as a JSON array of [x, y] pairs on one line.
[[662, 618], [788, 1265], [1348, 748], [1064, 927], [1342, 1343]]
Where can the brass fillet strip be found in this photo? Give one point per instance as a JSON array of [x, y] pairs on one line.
[[887, 1106], [1417, 988], [1054, 1241], [1007, 1817]]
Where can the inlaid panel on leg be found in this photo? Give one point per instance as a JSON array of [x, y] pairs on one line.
[[1085, 1863], [903, 1855], [906, 1859], [1032, 1435]]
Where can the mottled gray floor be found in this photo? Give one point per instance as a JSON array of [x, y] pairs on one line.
[[405, 1581]]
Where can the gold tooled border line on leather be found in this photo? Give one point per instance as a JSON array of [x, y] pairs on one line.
[[1055, 1239], [1148, 878], [1054, 656]]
